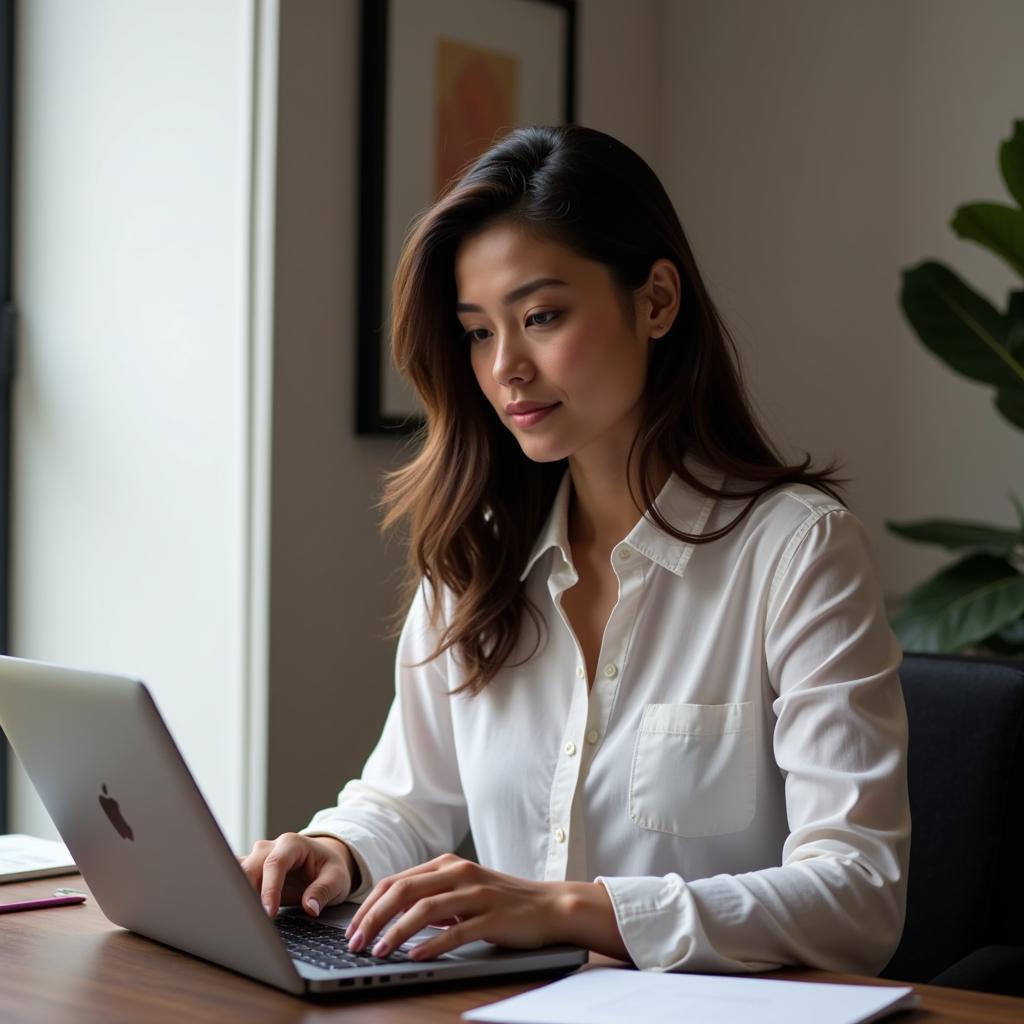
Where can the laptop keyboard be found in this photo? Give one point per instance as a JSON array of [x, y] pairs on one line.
[[325, 946]]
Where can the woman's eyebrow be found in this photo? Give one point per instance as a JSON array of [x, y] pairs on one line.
[[513, 296]]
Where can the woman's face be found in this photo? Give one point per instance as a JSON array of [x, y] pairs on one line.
[[551, 345]]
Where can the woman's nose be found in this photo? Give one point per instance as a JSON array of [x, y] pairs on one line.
[[511, 363]]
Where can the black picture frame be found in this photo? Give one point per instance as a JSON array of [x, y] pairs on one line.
[[372, 416], [7, 339]]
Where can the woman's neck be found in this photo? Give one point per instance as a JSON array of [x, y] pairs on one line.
[[601, 508]]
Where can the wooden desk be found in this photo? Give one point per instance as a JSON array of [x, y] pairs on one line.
[[71, 964]]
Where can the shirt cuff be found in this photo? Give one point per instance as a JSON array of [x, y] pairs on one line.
[[660, 925], [364, 852]]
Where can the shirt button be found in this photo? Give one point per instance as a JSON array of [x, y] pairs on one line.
[[611, 671], [624, 553], [560, 835], [570, 748], [593, 736], [580, 671]]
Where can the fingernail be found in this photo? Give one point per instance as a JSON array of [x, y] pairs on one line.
[[380, 949], [356, 941], [313, 905], [266, 907]]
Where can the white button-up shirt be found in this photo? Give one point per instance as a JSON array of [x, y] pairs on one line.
[[736, 774]]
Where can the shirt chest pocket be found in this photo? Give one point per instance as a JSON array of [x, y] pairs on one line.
[[693, 770]]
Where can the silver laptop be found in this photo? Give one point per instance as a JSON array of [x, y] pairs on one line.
[[143, 837]]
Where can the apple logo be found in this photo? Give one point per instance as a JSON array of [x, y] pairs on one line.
[[113, 812]]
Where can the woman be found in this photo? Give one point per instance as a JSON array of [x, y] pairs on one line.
[[677, 737]]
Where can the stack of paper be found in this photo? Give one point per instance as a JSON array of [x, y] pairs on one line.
[[610, 995], [24, 857]]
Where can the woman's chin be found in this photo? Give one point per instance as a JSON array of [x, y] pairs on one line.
[[538, 450]]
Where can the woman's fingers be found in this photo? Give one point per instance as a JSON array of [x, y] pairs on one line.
[[426, 911], [252, 863], [453, 937], [332, 881], [484, 904], [285, 856], [393, 894], [296, 868]]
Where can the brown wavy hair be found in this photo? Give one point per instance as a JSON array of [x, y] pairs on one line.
[[471, 501]]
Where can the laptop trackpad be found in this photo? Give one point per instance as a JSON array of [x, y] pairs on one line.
[[476, 950]]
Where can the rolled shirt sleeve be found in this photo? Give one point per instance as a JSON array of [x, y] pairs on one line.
[[837, 900], [408, 805]]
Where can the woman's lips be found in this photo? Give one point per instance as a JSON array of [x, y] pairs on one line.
[[528, 419]]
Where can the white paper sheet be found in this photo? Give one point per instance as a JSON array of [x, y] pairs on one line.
[[23, 857], [610, 995]]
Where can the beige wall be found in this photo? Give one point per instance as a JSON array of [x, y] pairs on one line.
[[813, 149], [333, 581]]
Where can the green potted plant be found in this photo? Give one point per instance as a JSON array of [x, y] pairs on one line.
[[976, 604]]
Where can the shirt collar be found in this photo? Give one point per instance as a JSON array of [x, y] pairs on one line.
[[679, 503], [555, 531]]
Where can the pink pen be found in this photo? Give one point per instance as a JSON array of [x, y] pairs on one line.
[[54, 901]]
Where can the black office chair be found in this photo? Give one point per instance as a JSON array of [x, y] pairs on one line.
[[965, 901]]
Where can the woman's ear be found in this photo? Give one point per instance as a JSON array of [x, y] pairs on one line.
[[660, 298]]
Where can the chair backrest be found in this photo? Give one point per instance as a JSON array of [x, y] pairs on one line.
[[966, 781]]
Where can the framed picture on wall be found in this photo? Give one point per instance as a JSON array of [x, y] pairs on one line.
[[442, 81]]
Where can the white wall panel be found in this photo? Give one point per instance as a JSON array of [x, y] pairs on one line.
[[133, 425]]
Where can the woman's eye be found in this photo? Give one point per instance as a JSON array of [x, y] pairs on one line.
[[473, 335], [552, 313]]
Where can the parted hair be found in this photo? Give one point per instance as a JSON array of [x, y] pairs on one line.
[[470, 502]]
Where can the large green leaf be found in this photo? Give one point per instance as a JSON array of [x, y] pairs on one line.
[[958, 534], [1013, 633], [960, 326], [1008, 642], [995, 226], [1015, 325], [1010, 404], [961, 605], [1011, 162], [1020, 510]]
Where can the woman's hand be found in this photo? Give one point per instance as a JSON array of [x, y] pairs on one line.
[[316, 871], [473, 901]]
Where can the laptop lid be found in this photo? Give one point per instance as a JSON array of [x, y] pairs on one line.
[[116, 786]]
